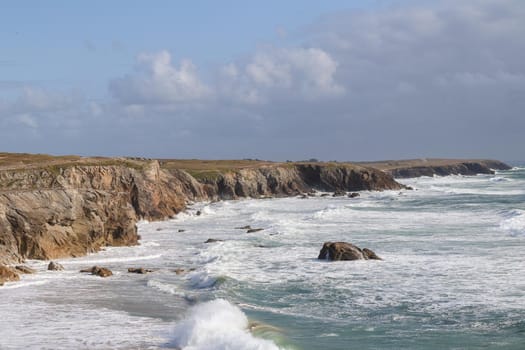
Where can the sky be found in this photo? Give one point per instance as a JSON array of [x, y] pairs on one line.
[[276, 80]]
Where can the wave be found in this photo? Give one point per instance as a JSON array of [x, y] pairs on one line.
[[499, 179], [201, 280], [165, 287], [513, 222], [217, 325], [92, 260], [23, 284]]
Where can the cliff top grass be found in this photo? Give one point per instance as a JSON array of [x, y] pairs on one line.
[[21, 161]]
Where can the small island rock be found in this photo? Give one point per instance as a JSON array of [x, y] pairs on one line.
[[336, 251]]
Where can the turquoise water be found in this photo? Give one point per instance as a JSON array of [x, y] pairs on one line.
[[453, 276]]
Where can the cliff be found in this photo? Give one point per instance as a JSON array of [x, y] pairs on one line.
[[440, 167], [67, 207]]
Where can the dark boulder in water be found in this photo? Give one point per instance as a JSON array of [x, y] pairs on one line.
[[336, 251], [339, 193], [213, 240], [254, 230], [353, 195], [53, 266]]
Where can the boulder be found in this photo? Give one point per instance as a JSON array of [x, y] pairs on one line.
[[339, 193], [98, 271], [24, 269], [181, 230], [213, 240], [345, 251], [53, 266], [8, 274], [353, 195], [325, 194], [139, 270]]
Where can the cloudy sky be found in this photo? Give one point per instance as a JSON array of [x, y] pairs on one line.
[[278, 80]]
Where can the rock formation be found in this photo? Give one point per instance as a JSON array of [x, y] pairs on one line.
[[440, 167], [139, 270], [56, 211], [345, 251], [53, 266], [8, 274], [99, 271]]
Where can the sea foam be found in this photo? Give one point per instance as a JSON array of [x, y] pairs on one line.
[[217, 325], [514, 222]]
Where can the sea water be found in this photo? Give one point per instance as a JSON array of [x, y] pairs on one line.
[[452, 276]]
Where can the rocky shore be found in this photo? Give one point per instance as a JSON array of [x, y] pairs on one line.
[[440, 167], [54, 207]]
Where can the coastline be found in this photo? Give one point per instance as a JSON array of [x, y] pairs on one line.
[[56, 207], [251, 271]]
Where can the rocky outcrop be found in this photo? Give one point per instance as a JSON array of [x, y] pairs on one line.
[[50, 212], [71, 211], [8, 274], [139, 270], [98, 271], [336, 251], [296, 179], [431, 168]]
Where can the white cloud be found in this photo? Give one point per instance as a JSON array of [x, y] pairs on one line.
[[157, 81], [285, 73]]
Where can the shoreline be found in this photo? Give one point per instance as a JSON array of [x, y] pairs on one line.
[[57, 207]]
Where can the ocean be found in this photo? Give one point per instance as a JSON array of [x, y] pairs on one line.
[[452, 276]]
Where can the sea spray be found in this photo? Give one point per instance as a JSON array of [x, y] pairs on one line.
[[217, 325]]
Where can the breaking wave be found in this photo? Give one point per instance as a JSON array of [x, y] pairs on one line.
[[217, 325]]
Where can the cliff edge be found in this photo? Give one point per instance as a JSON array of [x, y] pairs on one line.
[[53, 207], [439, 167]]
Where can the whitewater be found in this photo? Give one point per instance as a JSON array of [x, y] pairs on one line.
[[453, 276]]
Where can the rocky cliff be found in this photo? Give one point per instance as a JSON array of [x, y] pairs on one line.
[[440, 167], [63, 210]]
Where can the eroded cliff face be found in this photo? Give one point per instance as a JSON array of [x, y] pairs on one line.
[[63, 212], [286, 180], [48, 213]]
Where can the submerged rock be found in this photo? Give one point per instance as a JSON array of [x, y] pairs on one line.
[[247, 227], [254, 230], [353, 195], [213, 240], [53, 266], [98, 271], [336, 251], [139, 270], [339, 194]]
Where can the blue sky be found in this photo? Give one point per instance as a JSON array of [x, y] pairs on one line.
[[345, 80], [76, 44]]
